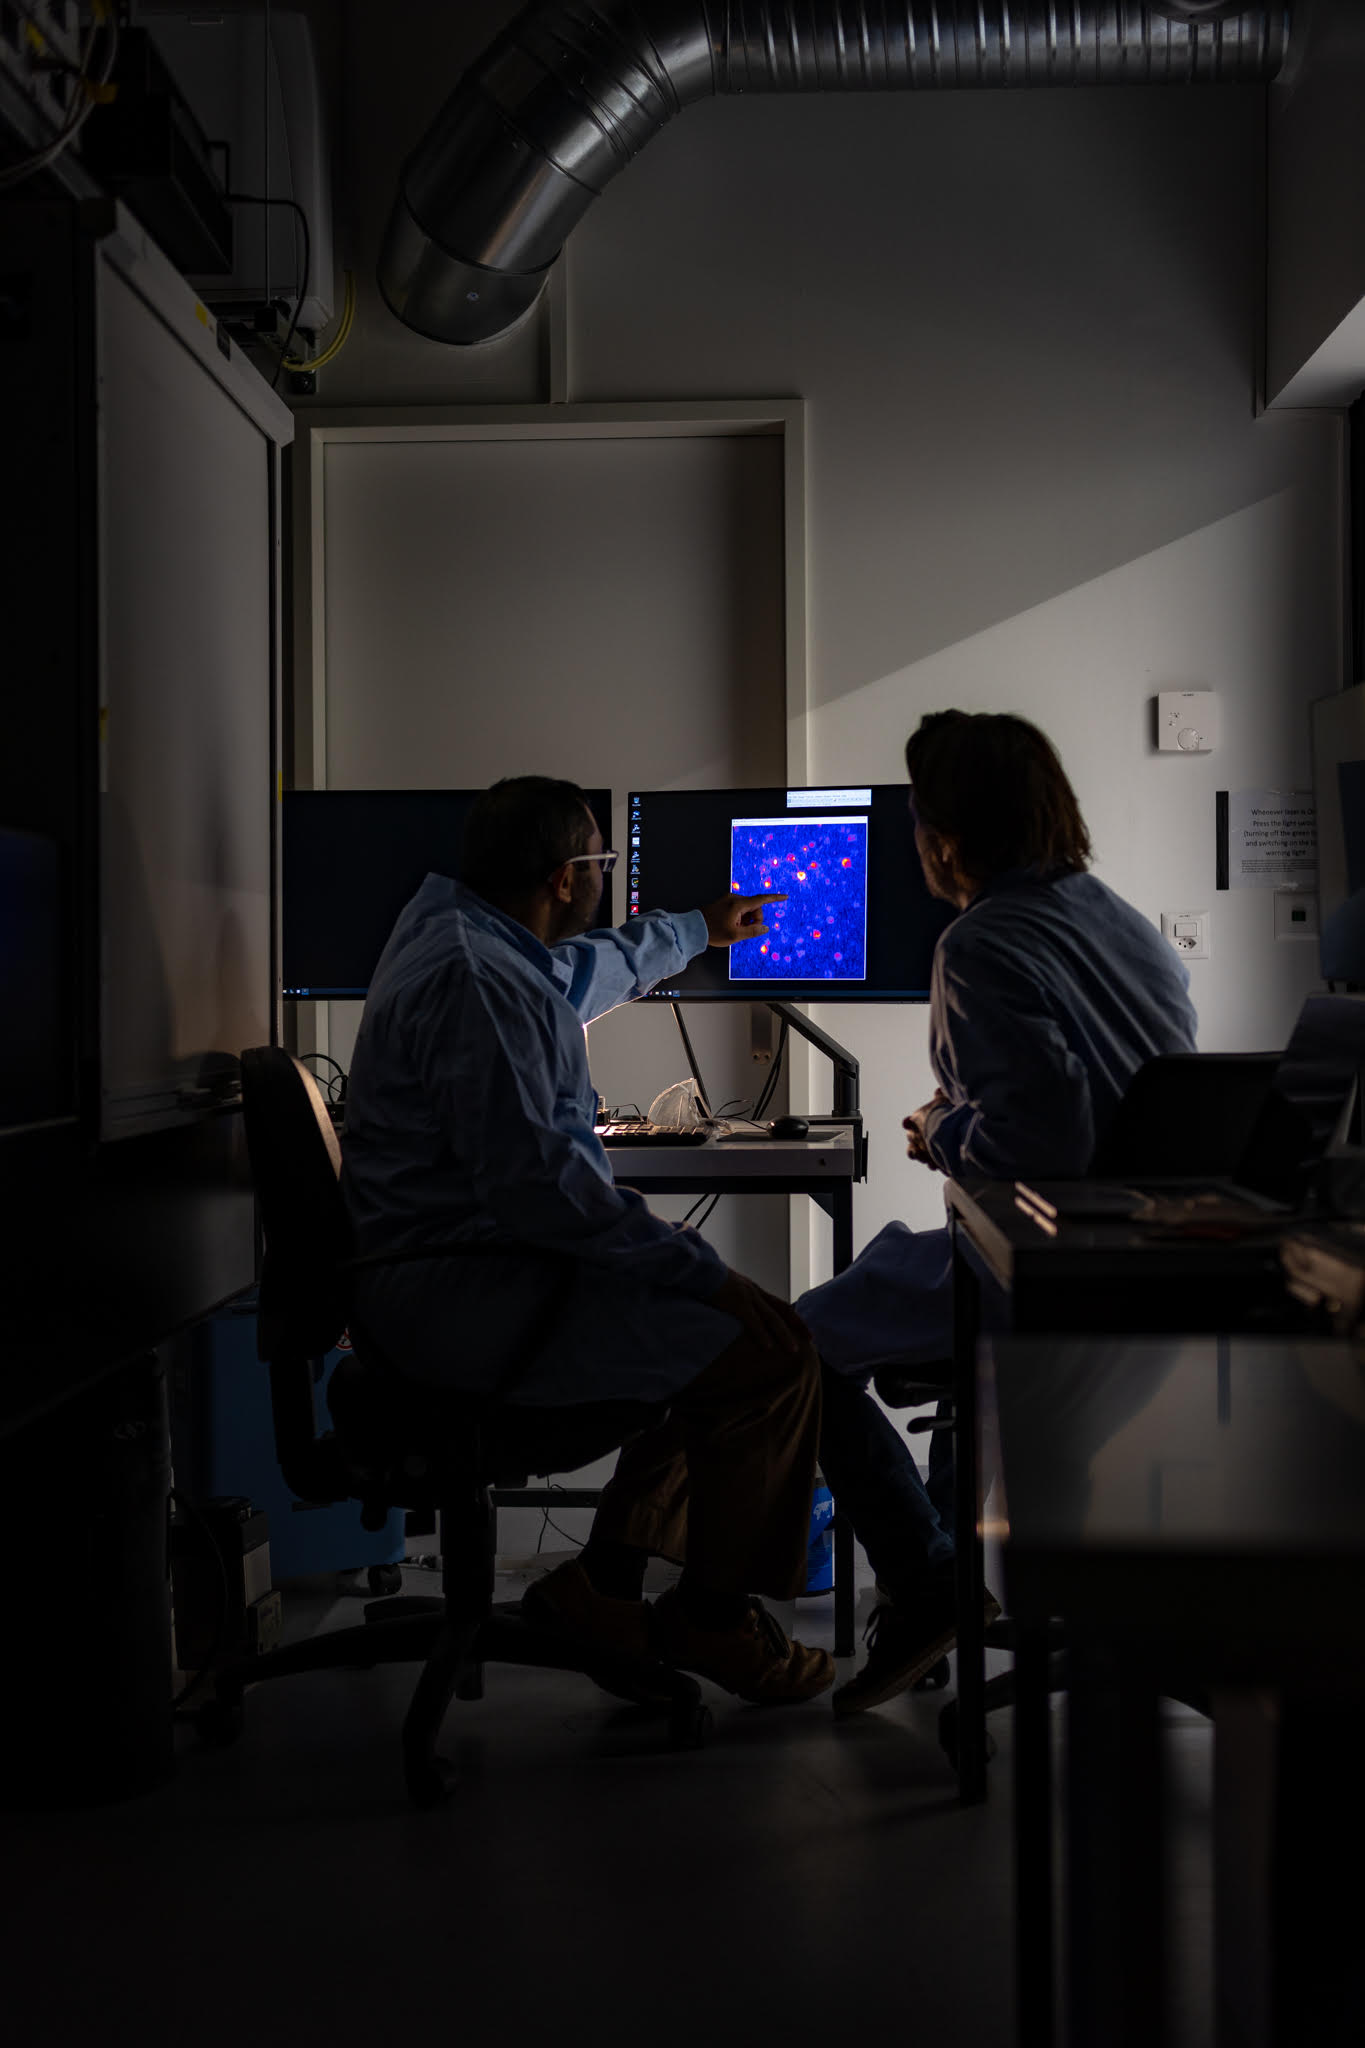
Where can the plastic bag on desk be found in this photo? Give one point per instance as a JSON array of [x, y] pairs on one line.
[[680, 1107]]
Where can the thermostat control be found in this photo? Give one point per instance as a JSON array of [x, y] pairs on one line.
[[1186, 721]]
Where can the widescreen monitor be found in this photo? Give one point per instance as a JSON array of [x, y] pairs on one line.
[[858, 925], [351, 858], [1339, 796]]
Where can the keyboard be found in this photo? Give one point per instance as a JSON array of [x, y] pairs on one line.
[[638, 1130]]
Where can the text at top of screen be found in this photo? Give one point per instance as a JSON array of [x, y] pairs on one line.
[[817, 799]]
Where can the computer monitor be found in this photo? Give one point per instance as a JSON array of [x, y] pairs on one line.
[[858, 925], [1339, 795], [350, 859]]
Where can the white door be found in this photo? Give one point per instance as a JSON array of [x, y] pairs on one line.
[[605, 608]]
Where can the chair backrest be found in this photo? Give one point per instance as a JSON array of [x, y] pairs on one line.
[[1186, 1113], [295, 1165]]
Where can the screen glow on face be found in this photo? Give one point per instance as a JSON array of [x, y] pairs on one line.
[[820, 932]]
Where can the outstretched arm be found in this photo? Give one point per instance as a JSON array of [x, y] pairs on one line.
[[605, 968]]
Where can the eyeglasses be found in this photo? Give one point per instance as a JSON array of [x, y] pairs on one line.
[[607, 861]]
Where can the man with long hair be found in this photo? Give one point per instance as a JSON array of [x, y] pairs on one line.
[[1048, 993]]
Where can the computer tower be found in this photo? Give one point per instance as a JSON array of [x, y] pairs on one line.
[[225, 1444]]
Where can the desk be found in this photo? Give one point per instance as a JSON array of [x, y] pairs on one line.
[[823, 1166], [1194, 1511], [1011, 1275]]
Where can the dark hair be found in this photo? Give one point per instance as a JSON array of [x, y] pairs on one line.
[[994, 785], [519, 832]]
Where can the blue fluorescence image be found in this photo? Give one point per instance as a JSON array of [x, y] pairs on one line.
[[820, 932]]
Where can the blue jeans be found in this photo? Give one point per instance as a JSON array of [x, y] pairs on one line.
[[892, 1306], [904, 1526]]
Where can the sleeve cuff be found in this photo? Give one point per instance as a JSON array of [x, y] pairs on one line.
[[942, 1113], [690, 927]]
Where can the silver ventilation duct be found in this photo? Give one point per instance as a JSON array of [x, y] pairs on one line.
[[573, 89]]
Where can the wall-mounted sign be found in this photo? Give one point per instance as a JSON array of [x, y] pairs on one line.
[[1267, 839]]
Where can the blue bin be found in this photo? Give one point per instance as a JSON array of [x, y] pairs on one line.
[[820, 1549]]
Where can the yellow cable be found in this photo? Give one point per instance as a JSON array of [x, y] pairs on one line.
[[335, 346]]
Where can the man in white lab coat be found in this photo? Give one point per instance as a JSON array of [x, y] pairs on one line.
[[469, 1123]]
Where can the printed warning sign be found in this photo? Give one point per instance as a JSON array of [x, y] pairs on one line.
[[1272, 840]]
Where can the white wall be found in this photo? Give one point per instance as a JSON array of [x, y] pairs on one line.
[[1024, 325], [1035, 478]]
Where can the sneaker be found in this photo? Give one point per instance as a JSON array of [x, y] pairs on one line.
[[757, 1661], [903, 1644], [567, 1600]]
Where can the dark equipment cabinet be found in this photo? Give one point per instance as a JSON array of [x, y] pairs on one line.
[[140, 594], [139, 585]]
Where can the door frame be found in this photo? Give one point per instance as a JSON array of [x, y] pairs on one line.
[[319, 428]]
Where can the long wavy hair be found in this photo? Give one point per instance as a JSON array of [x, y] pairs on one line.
[[994, 785]]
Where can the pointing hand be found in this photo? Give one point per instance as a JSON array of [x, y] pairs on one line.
[[733, 917]]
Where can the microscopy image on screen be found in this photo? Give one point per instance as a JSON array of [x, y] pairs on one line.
[[820, 932]]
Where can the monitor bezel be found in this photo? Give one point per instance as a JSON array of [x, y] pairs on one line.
[[817, 991]]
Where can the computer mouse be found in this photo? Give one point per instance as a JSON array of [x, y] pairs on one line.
[[790, 1127]]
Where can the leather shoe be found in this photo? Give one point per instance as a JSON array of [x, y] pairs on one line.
[[757, 1660]]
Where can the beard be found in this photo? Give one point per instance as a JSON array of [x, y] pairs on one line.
[[580, 914]]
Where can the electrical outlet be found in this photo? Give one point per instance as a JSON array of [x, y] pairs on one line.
[[1188, 932], [1296, 914]]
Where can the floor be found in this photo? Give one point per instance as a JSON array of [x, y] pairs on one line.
[[798, 1880]]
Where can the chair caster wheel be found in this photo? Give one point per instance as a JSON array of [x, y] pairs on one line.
[[384, 1579], [935, 1678], [220, 1722], [429, 1782], [690, 1726]]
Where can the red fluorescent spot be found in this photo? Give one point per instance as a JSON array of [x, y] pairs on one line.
[[815, 935], [846, 862]]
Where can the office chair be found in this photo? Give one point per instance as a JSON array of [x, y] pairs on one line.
[[398, 1444], [1182, 1114]]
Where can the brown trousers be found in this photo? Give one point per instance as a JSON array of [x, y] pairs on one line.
[[724, 1485]]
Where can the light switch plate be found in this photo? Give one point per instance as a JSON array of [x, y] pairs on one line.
[[1188, 932], [1296, 914], [1186, 721]]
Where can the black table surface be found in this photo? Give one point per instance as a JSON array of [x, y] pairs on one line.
[[1074, 1275], [1184, 1490]]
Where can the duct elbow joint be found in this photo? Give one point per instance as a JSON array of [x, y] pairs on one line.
[[443, 297]]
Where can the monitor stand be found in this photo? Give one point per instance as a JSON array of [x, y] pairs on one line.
[[846, 1108]]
